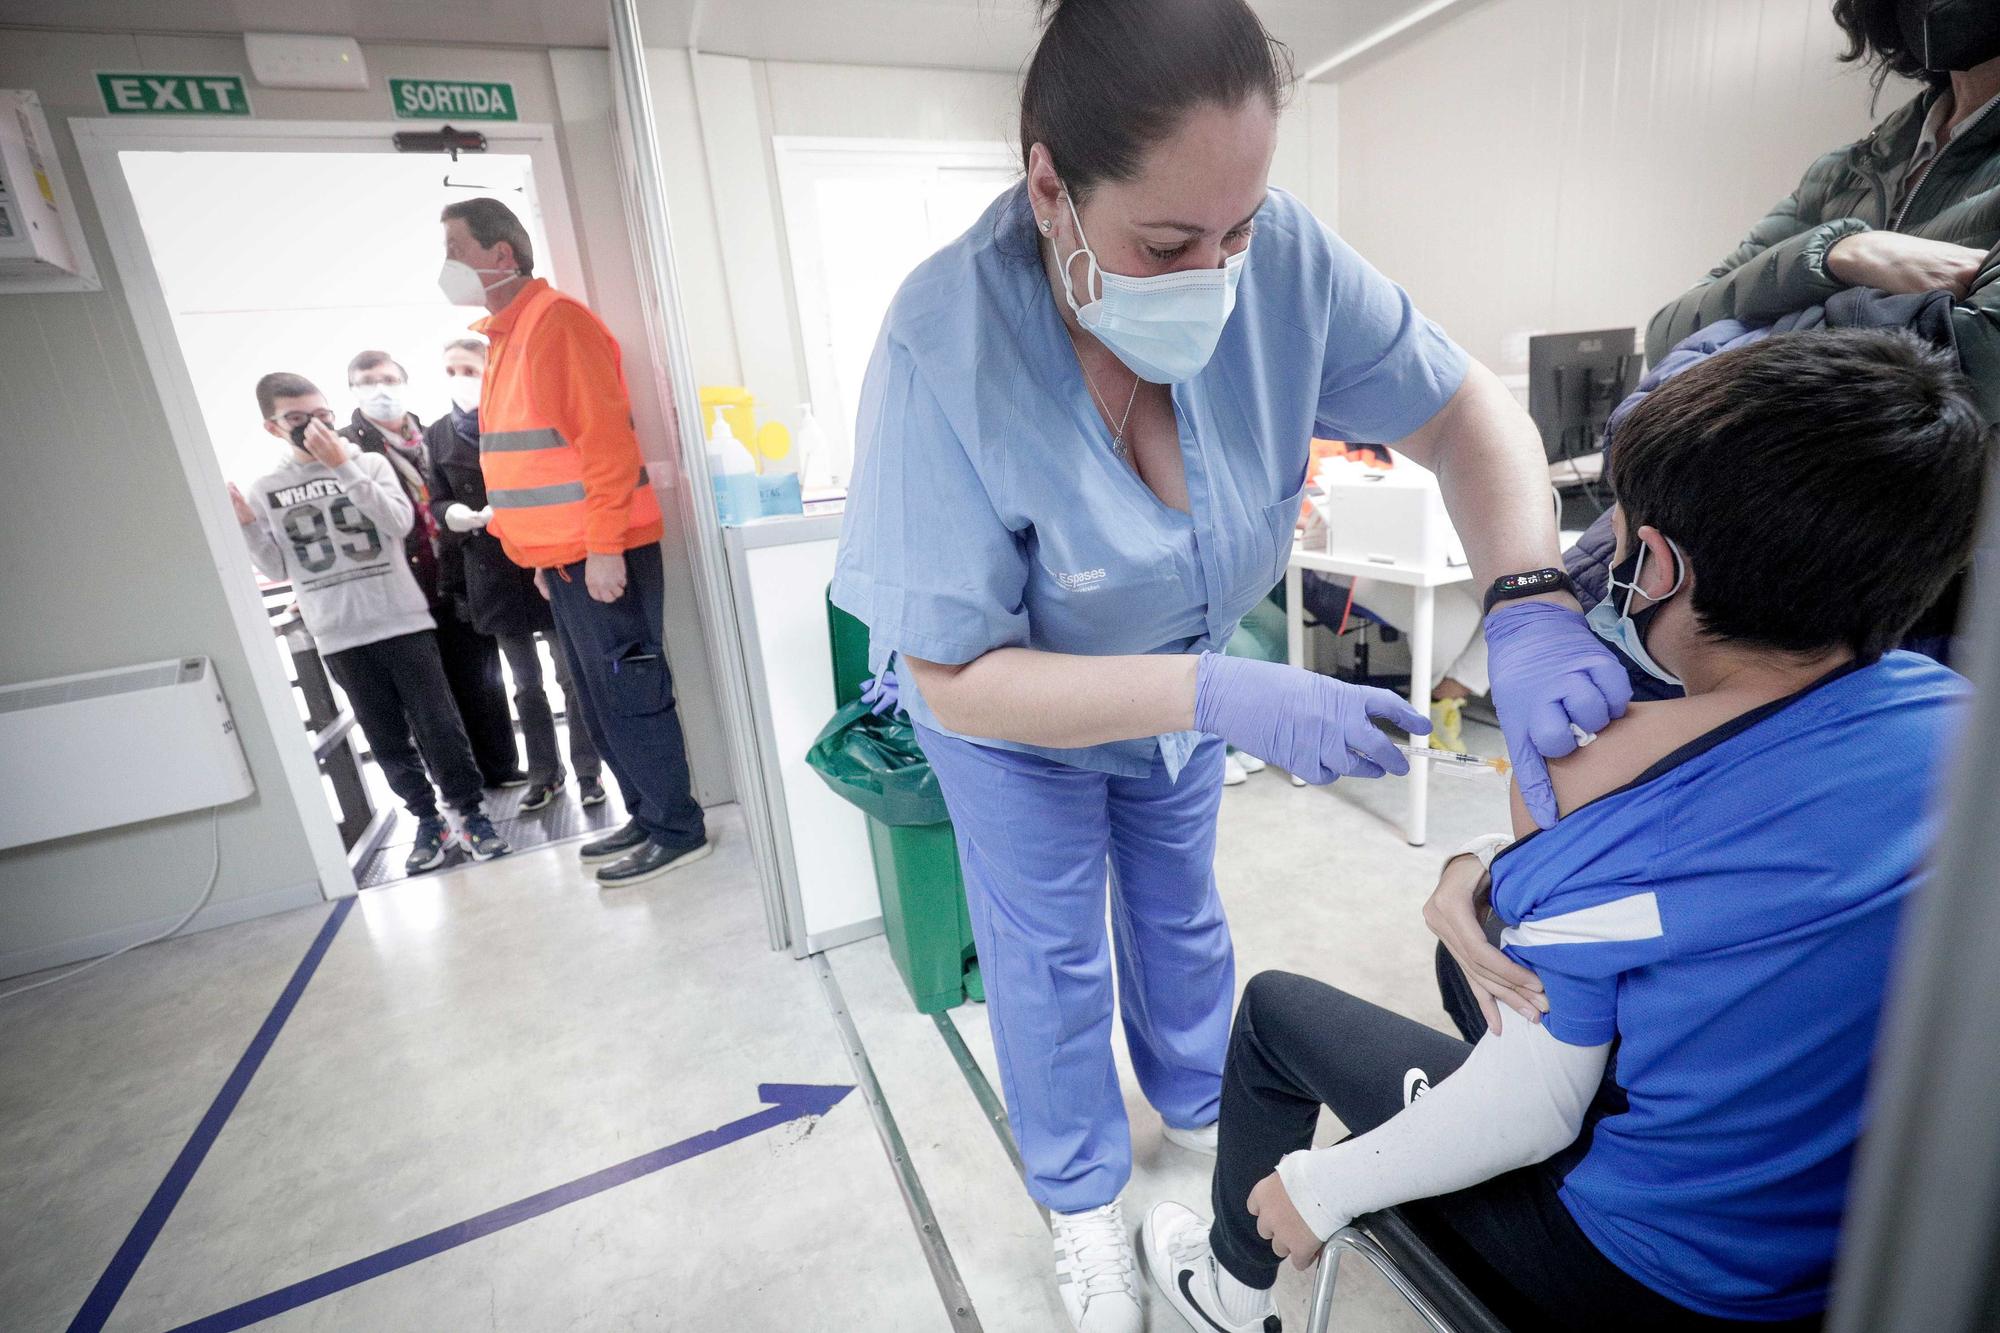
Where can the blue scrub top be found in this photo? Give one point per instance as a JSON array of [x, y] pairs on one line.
[[988, 510]]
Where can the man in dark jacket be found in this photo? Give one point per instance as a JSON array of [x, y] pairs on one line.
[[499, 594], [383, 425]]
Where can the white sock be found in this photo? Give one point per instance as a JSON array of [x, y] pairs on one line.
[[1240, 1303]]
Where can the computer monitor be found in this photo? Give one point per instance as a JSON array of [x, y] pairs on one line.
[[1574, 380]]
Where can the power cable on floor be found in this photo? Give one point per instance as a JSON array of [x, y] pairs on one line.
[[214, 875]]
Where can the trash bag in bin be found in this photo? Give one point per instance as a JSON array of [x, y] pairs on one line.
[[875, 763]]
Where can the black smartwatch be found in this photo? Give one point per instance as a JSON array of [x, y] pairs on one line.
[[1531, 584]]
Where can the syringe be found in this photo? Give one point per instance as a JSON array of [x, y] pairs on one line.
[[1451, 761]]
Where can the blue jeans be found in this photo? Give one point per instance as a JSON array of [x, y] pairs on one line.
[[626, 693], [1037, 840]]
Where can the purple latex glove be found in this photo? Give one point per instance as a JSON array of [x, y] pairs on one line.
[[882, 693], [1548, 671], [1312, 726]]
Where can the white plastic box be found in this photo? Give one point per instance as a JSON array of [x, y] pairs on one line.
[[1392, 517]]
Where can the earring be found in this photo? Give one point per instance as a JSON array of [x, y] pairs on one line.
[[1046, 224]]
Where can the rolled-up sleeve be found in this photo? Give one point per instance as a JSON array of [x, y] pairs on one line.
[[1387, 370], [925, 560]]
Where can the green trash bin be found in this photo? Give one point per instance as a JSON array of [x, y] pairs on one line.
[[916, 867]]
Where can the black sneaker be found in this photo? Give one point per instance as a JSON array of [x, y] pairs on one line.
[[476, 832], [538, 795], [613, 845], [649, 862], [515, 779], [429, 851], [591, 790]]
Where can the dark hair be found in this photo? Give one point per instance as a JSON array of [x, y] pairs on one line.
[[369, 360], [1874, 31], [477, 346], [490, 223], [1824, 486], [1111, 78], [281, 384]]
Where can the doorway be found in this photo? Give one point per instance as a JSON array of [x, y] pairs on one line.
[[292, 247]]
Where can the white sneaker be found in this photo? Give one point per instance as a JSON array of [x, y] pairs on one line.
[[1233, 772], [1201, 1140], [1096, 1270], [1183, 1268], [1251, 763]]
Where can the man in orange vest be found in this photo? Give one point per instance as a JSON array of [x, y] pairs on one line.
[[571, 500]]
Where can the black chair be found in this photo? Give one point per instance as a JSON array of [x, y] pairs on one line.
[[1388, 1241]]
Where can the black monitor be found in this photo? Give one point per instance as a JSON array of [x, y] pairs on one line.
[[1574, 380]]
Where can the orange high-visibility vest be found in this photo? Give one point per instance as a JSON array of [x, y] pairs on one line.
[[563, 470]]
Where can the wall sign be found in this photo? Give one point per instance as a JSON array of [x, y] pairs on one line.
[[437, 99], [174, 94]]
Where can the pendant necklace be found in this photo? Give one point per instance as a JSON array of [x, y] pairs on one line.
[[1118, 431]]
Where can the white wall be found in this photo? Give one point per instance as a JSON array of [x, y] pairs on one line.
[[1575, 164], [103, 561], [722, 183]]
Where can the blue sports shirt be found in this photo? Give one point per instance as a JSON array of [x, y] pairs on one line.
[[988, 510], [1729, 918]]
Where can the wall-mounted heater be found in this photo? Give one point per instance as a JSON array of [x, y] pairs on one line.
[[107, 748]]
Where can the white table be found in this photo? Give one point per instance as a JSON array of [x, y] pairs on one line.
[[1425, 582]]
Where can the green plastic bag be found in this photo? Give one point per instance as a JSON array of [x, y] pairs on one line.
[[875, 763]]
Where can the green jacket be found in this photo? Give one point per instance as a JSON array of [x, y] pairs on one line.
[[1780, 266]]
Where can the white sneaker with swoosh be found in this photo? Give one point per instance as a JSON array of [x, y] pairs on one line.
[[1183, 1268]]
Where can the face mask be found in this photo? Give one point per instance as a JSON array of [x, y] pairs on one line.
[[461, 284], [465, 392], [1948, 35], [1616, 623], [1164, 328], [381, 402], [299, 436]]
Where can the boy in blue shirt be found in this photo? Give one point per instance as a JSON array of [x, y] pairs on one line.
[[1709, 926]]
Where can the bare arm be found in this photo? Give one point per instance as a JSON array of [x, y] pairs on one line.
[[1489, 462], [1060, 700]]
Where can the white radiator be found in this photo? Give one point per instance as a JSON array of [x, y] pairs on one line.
[[114, 747]]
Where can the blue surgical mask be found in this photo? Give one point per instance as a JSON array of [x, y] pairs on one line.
[[1164, 328], [1614, 621]]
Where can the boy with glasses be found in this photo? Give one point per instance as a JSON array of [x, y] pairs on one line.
[[331, 521], [383, 424]]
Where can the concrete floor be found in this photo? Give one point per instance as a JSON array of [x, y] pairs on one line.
[[476, 1037]]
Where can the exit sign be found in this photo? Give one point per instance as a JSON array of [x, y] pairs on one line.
[[438, 99], [174, 94]]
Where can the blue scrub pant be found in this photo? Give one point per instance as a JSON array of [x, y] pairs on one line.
[[1036, 838]]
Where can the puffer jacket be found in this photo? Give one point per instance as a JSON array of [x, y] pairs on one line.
[[1780, 267]]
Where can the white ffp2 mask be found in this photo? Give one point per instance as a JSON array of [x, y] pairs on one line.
[[461, 284]]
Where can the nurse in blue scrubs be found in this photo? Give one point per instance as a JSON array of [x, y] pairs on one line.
[[1081, 446]]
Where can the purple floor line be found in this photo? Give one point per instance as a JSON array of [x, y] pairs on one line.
[[789, 1102]]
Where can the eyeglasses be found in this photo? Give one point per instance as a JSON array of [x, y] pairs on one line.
[[294, 420], [368, 381]]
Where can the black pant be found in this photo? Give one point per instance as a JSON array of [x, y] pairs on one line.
[[472, 665], [1298, 1044], [398, 684], [538, 720], [627, 693]]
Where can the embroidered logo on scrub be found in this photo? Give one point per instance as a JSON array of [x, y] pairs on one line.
[[1082, 580]]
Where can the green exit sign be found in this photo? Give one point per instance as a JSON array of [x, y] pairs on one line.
[[174, 94], [442, 99]]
